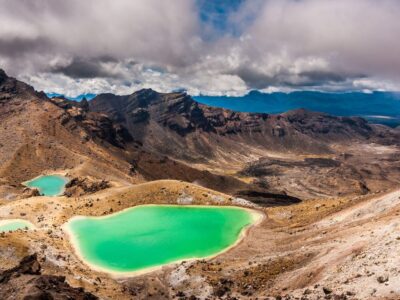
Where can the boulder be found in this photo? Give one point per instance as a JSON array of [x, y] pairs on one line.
[[80, 186]]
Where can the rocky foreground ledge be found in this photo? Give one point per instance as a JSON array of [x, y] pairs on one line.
[[27, 282]]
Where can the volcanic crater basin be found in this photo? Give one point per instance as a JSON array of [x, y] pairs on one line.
[[143, 238], [48, 185]]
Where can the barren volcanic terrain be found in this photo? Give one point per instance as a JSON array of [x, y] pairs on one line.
[[328, 188]]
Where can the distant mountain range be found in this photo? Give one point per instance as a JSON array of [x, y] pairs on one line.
[[77, 98], [376, 107]]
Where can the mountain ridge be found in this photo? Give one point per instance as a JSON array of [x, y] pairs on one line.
[[151, 135], [180, 114], [58, 134]]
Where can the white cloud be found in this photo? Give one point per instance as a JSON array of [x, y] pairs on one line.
[[350, 37], [95, 46]]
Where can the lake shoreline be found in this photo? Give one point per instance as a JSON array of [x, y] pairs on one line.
[[256, 218], [59, 175], [6, 222]]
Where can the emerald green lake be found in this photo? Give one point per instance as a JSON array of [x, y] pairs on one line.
[[153, 235], [50, 185], [11, 225]]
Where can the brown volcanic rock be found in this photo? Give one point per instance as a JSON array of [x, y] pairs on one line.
[[175, 125], [97, 125], [154, 167], [369, 168], [10, 87], [148, 136], [324, 126], [26, 282], [38, 134], [80, 186], [29, 192]]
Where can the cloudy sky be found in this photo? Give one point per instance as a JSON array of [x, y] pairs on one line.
[[224, 47]]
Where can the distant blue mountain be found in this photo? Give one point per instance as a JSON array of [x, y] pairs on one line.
[[78, 98], [376, 107]]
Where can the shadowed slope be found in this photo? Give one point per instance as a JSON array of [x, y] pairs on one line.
[[175, 125], [38, 136]]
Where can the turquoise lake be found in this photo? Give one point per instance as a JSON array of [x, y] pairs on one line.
[[49, 185], [153, 235], [11, 225]]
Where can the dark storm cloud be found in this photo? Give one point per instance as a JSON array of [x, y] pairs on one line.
[[17, 46], [322, 76], [317, 78], [107, 59], [87, 68], [255, 79]]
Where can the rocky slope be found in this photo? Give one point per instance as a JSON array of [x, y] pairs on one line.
[[149, 136], [175, 125], [357, 169], [38, 136], [300, 153]]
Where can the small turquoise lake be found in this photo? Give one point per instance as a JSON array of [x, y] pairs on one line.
[[11, 225], [49, 185], [149, 236]]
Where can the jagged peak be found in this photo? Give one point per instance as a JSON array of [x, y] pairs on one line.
[[3, 75], [142, 93], [146, 92], [106, 95], [12, 86]]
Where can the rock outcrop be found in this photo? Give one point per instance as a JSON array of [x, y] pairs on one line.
[[29, 192], [80, 186], [10, 87], [27, 282], [97, 126]]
